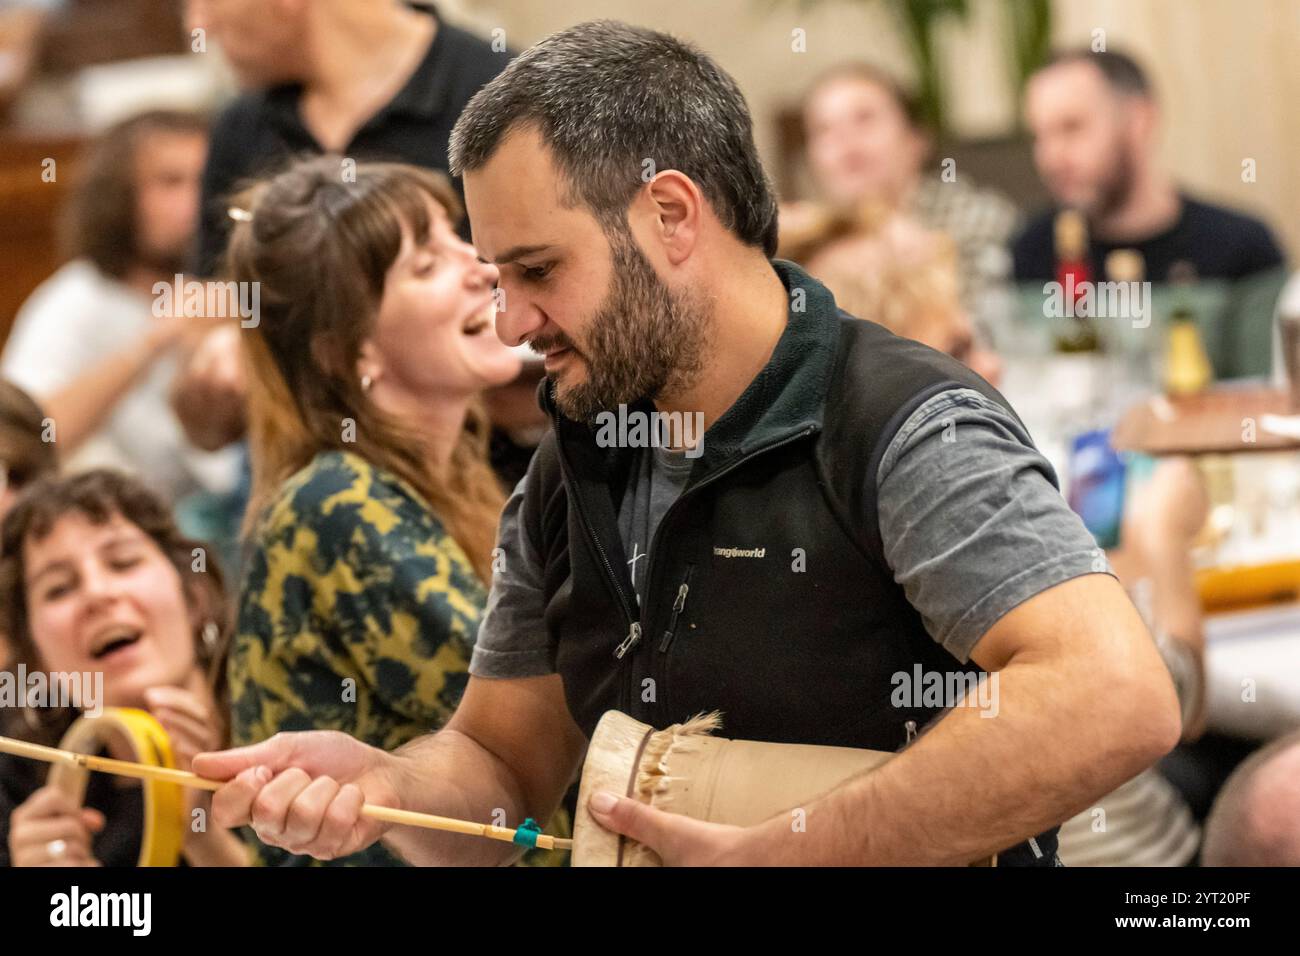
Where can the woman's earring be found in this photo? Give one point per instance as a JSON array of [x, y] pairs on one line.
[[366, 382], [210, 634]]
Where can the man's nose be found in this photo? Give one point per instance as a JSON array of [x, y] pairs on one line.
[[517, 319]]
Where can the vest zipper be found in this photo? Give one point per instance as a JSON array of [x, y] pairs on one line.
[[678, 605], [634, 624]]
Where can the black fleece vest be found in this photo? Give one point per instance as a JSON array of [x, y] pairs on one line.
[[768, 597]]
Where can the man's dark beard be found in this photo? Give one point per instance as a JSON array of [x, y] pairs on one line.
[[1115, 188], [645, 341]]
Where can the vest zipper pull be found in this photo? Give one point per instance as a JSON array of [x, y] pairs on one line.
[[629, 642], [678, 606], [910, 727]]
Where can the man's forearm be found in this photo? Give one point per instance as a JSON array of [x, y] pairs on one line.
[[976, 785], [448, 774]]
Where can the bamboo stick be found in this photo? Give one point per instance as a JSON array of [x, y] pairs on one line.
[[140, 771]]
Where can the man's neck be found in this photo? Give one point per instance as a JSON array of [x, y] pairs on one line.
[[360, 58], [750, 310], [1152, 206]]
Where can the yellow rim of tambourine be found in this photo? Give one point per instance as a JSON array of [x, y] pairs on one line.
[[164, 803]]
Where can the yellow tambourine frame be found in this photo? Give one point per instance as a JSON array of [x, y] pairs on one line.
[[164, 803]]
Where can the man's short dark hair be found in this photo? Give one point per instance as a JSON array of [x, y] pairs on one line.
[[1121, 72], [606, 98]]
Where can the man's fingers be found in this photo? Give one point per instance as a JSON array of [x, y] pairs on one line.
[[232, 805], [344, 830], [306, 815], [631, 818], [270, 814], [275, 753]]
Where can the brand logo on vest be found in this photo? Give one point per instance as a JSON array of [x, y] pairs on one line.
[[740, 552]]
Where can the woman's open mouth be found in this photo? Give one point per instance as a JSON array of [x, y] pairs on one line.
[[480, 321], [113, 641]]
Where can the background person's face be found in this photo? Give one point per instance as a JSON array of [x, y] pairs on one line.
[[103, 597], [1083, 137], [433, 331], [259, 38], [860, 145], [169, 172]]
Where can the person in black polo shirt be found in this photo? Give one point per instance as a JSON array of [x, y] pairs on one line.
[[860, 509], [366, 79], [1095, 121]]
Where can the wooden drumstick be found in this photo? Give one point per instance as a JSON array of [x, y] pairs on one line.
[[140, 771]]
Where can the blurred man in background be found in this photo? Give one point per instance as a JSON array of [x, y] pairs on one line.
[[1095, 123]]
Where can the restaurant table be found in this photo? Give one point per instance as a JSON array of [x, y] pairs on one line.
[[1252, 667], [1222, 420]]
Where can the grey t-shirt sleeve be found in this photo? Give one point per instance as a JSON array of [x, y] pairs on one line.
[[971, 522], [512, 639]]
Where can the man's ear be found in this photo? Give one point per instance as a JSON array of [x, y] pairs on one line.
[[1145, 117], [676, 209]]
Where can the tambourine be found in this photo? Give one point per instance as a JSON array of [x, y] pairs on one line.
[[164, 803], [683, 769]]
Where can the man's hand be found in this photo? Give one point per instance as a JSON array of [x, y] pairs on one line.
[[303, 792], [679, 840]]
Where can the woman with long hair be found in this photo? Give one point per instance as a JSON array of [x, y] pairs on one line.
[[95, 578], [374, 509]]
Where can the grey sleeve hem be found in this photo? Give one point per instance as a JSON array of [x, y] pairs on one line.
[[504, 665], [962, 637]]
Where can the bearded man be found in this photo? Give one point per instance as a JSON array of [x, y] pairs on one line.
[[1096, 123], [826, 540]]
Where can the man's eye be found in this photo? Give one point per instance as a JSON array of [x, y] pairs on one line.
[[537, 273]]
